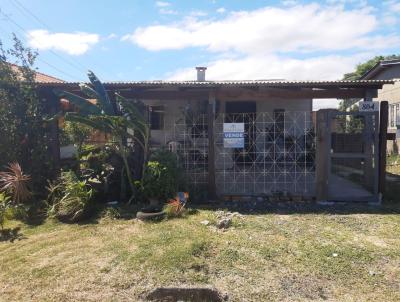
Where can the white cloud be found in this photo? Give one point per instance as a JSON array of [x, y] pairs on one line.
[[167, 11], [303, 28], [112, 36], [198, 13], [251, 67], [72, 43], [393, 6], [391, 13], [221, 10], [162, 4]]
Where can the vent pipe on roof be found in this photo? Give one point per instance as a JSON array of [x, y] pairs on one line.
[[201, 73]]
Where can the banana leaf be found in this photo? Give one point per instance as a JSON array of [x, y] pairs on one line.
[[88, 121], [136, 120], [89, 91], [130, 108], [85, 107], [103, 95]]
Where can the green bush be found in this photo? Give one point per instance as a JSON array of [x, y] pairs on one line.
[[10, 209], [69, 198], [160, 180], [5, 204]]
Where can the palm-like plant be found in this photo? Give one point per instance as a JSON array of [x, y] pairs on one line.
[[15, 182], [102, 116]]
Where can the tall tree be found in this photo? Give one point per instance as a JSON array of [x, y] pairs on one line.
[[362, 68], [359, 71], [24, 136]]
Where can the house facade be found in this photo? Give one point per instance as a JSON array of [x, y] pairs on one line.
[[389, 70], [259, 137]]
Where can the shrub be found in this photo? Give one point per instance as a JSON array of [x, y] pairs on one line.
[[161, 176], [15, 182], [69, 198], [74, 133], [158, 183], [5, 204]]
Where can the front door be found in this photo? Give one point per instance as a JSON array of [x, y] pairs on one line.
[[243, 112]]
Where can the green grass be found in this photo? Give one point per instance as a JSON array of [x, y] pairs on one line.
[[264, 257]]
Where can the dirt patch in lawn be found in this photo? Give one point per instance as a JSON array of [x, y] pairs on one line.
[[193, 294]]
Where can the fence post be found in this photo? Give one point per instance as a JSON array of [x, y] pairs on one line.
[[384, 115], [212, 194], [322, 158], [368, 131]]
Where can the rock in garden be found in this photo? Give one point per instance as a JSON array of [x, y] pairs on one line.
[[224, 223], [205, 222]]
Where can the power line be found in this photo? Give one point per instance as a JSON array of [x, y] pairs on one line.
[[40, 21], [45, 62], [29, 12], [71, 63]]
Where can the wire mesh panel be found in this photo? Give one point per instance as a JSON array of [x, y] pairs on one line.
[[277, 157], [187, 136]]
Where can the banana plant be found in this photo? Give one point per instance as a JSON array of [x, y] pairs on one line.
[[102, 116]]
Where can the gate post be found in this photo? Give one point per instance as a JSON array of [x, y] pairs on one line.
[[384, 115], [212, 194], [369, 133], [322, 158]]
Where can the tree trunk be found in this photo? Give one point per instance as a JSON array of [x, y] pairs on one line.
[[128, 171]]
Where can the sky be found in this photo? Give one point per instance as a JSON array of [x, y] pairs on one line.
[[159, 40]]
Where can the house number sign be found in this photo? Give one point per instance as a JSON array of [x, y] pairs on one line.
[[369, 106]]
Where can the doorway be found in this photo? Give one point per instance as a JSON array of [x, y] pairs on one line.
[[243, 112]]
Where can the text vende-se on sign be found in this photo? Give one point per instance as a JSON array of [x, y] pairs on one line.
[[233, 135]]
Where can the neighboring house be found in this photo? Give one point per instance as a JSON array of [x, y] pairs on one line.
[[256, 137], [39, 77], [388, 70]]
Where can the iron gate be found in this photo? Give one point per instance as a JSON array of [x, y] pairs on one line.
[[352, 155]]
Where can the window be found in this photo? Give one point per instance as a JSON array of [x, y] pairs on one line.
[[394, 117], [157, 117]]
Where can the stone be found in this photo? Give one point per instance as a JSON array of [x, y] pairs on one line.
[[205, 222], [224, 223]]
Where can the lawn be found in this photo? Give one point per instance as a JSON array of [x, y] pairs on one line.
[[263, 257]]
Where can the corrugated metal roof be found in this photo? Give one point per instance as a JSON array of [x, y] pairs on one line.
[[240, 83], [378, 67]]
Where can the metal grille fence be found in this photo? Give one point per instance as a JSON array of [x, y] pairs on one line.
[[278, 155], [188, 137]]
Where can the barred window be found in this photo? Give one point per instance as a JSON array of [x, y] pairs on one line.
[[157, 117]]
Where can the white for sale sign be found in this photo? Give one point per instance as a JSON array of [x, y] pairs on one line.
[[233, 135]]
